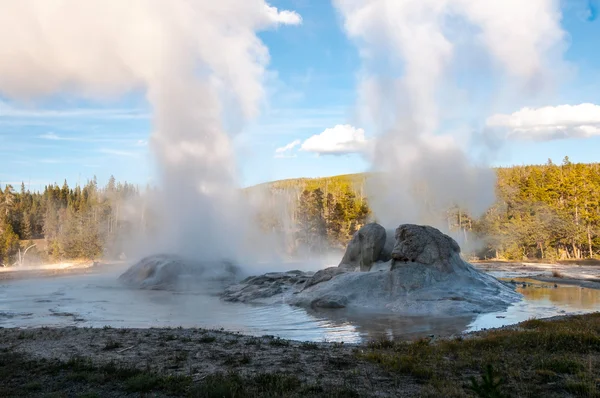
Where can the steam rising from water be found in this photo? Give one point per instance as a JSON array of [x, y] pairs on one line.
[[200, 65], [408, 48]]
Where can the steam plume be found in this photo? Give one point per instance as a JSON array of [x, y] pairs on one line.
[[200, 65], [408, 48]]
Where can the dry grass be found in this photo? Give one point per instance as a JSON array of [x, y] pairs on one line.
[[539, 358]]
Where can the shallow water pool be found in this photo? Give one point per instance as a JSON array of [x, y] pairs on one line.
[[98, 300]]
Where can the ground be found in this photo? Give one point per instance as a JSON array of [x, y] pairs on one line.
[[583, 273], [550, 358]]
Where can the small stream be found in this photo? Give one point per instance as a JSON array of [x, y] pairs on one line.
[[97, 300]]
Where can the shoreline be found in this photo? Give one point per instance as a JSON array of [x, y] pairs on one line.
[[113, 362], [585, 276]]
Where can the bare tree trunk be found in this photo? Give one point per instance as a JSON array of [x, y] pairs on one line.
[[589, 236]]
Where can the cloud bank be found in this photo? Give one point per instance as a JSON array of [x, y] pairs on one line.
[[549, 122]]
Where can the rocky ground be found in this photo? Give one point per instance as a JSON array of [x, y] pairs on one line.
[[584, 273], [552, 358]]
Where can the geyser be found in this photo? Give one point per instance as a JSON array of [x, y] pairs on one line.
[[427, 70], [199, 64], [425, 276]]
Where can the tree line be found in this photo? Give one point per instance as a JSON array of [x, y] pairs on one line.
[[549, 211], [75, 222]]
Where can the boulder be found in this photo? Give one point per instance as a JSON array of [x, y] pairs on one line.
[[425, 245], [365, 248]]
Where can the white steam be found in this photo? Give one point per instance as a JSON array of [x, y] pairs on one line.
[[408, 49], [200, 65]]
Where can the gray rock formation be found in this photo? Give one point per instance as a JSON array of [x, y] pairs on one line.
[[365, 248], [172, 272], [324, 275], [255, 288], [425, 245], [424, 276]]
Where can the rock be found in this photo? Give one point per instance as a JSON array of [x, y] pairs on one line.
[[365, 248], [172, 272], [330, 301], [324, 275], [425, 245], [426, 276], [256, 288]]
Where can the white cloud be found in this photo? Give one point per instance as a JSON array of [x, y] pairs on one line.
[[339, 140], [549, 122], [282, 17], [50, 136], [9, 111], [285, 150]]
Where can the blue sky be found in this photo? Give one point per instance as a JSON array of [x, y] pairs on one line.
[[311, 87]]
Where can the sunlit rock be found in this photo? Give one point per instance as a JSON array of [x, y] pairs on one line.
[[425, 245]]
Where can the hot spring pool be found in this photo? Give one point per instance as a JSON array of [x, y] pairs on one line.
[[97, 300]]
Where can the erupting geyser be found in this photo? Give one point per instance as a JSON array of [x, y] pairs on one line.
[[200, 66]]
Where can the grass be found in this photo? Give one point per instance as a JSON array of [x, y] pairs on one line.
[[111, 345], [308, 345], [539, 358], [279, 342], [79, 377], [207, 339]]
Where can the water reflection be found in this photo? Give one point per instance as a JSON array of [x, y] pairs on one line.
[[573, 297], [96, 300], [374, 326], [541, 300]]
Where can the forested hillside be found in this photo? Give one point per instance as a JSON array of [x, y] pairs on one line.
[[548, 211], [543, 211]]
